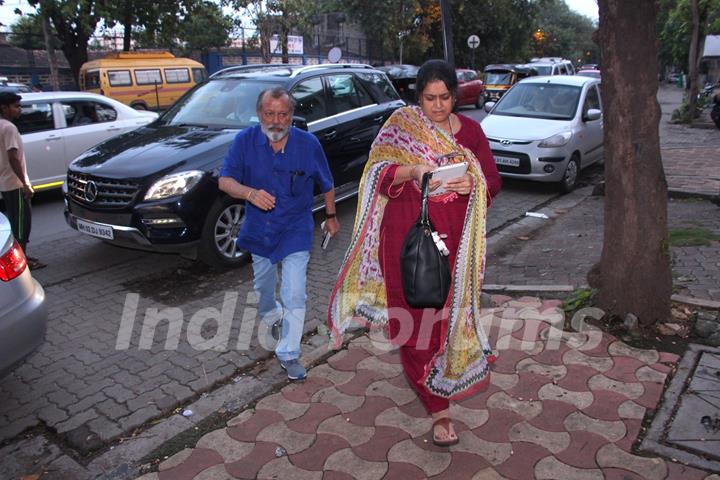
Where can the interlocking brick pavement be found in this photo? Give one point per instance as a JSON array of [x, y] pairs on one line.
[[572, 415]]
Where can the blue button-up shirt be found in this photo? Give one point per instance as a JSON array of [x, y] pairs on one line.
[[290, 176]]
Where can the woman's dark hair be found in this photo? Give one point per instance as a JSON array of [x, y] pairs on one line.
[[434, 70]]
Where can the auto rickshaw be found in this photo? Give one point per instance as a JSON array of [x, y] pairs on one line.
[[500, 77]]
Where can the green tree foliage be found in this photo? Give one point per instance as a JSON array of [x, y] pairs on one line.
[[675, 26], [27, 33], [206, 27], [560, 32]]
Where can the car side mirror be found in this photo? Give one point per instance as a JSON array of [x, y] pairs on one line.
[[299, 122], [592, 114], [488, 106]]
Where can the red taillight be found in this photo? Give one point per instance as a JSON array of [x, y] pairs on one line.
[[13, 263]]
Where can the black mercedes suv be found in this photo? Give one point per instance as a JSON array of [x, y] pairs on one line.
[[155, 188]]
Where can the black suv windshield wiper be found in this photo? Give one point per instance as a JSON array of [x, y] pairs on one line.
[[187, 124]]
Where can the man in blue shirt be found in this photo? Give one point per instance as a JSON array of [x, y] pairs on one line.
[[274, 168]]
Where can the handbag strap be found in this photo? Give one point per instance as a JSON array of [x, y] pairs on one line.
[[424, 220]]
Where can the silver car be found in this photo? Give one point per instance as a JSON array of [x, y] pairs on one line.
[[56, 127], [547, 129], [23, 316]]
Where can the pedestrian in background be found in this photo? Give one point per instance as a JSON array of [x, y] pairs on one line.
[[445, 353], [274, 167], [14, 182]]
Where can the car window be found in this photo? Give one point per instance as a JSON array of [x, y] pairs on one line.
[[221, 103], [177, 75], [92, 79], [379, 86], [79, 113], [540, 100], [35, 117], [470, 76], [592, 100], [148, 77], [346, 94], [543, 69], [119, 78], [309, 96], [199, 75], [497, 78]]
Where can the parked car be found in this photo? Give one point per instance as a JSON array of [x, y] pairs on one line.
[[547, 129], [589, 73], [403, 78], [6, 86], [500, 77], [470, 88], [56, 127], [553, 66], [23, 315], [156, 188]]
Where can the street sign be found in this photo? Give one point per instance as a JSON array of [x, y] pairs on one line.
[[334, 55], [473, 41]]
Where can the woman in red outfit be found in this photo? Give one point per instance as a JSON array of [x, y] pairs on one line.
[[445, 353]]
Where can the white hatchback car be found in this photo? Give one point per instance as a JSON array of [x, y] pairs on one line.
[[56, 127], [547, 129]]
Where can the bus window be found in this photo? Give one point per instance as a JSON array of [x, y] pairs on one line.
[[148, 77], [199, 75], [177, 75], [119, 78]]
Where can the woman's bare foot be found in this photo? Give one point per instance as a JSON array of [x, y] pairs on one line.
[[443, 430]]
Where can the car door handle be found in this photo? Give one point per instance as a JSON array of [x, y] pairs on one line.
[[378, 119], [53, 138], [112, 129], [330, 135], [355, 139]]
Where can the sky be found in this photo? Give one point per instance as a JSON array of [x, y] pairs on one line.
[[7, 17]]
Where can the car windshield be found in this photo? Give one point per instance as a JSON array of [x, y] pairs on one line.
[[540, 100], [498, 78], [543, 70], [219, 103], [588, 73]]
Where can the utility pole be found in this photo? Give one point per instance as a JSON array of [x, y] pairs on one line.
[[446, 13]]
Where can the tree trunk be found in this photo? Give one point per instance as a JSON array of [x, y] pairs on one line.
[[634, 270], [693, 60], [127, 25], [284, 44], [52, 58]]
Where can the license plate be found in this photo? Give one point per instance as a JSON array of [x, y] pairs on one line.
[[94, 229], [509, 161]]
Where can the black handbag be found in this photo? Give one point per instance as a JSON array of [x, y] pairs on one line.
[[425, 270]]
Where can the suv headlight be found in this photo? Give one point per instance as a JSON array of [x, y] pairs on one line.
[[556, 140], [174, 184]]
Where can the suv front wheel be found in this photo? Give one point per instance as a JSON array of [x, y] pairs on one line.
[[217, 246]]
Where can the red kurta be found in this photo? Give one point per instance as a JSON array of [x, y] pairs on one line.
[[419, 343]]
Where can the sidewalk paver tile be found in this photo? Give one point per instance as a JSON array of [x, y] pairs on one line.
[[199, 460], [522, 461], [404, 471], [494, 453], [340, 426], [313, 458], [216, 472], [576, 357], [550, 468], [625, 369], [248, 430], [359, 383], [577, 378], [400, 396], [554, 413], [175, 460], [377, 448], [504, 381], [387, 370], [525, 408], [580, 400], [316, 414], [333, 396], [302, 392], [282, 468], [582, 450], [337, 377], [622, 349], [347, 462], [394, 417], [554, 372], [611, 456], [632, 390], [630, 409], [611, 430], [347, 360], [472, 418], [462, 465], [525, 432], [278, 403], [229, 449], [496, 429], [431, 462], [371, 408], [488, 474], [290, 440], [249, 466], [605, 405], [651, 374]]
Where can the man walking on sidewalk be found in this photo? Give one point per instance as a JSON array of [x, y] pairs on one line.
[[14, 183], [274, 168]]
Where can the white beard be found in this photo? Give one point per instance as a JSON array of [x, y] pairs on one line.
[[274, 136]]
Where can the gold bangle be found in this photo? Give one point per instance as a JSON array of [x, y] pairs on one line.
[[250, 195]]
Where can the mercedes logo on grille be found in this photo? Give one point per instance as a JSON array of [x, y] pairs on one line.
[[91, 191], [504, 142]]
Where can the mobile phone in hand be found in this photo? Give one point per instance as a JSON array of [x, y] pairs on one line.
[[326, 237]]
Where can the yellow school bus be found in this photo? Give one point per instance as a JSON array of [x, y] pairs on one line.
[[142, 80]]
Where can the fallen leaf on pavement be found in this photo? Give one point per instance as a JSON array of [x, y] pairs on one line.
[[560, 210], [524, 239]]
